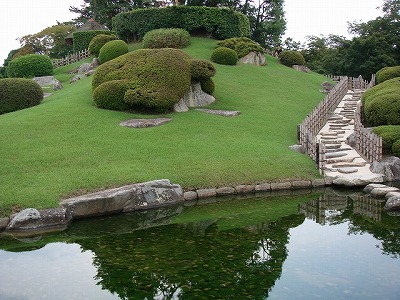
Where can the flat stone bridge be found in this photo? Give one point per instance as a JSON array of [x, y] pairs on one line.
[[339, 162]]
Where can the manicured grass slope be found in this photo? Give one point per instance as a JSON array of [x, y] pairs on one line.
[[66, 146]]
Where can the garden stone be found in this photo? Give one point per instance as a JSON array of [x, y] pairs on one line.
[[334, 155], [301, 68], [372, 186], [190, 195], [244, 189], [280, 186], [392, 203], [228, 190], [194, 97], [205, 193], [389, 166], [358, 180], [392, 194], [263, 187], [44, 81], [301, 184], [144, 123], [381, 192], [225, 113], [84, 68], [3, 223], [318, 182], [32, 219], [347, 170], [297, 148], [254, 58]]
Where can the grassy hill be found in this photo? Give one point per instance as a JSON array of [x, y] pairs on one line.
[[67, 146]]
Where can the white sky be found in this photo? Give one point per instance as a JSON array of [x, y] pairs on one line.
[[304, 17]]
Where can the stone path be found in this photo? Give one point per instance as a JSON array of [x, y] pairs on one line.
[[342, 164]]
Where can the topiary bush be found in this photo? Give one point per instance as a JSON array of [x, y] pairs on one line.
[[18, 93], [201, 69], [166, 38], [99, 41], [82, 38], [224, 56], [241, 45], [387, 73], [382, 103], [146, 78], [112, 49], [290, 58], [221, 23], [31, 65], [389, 134]]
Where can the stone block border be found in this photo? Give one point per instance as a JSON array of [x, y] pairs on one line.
[[139, 196]]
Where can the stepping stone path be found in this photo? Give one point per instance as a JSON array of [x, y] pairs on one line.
[[340, 162]]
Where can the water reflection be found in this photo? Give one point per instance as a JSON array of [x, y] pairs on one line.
[[226, 249]]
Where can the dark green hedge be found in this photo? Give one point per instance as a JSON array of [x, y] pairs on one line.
[[202, 69], [224, 56], [241, 45], [390, 134], [112, 49], [82, 38], [31, 65], [221, 23], [99, 41], [387, 73], [382, 103], [166, 38], [18, 93]]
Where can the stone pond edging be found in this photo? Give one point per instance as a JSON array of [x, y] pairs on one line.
[[129, 198]]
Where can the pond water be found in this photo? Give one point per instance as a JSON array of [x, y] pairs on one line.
[[330, 245]]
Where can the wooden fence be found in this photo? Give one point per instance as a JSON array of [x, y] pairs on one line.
[[78, 56], [368, 144]]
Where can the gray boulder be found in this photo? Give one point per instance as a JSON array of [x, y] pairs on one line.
[[358, 180], [254, 58], [194, 97], [393, 203], [297, 148], [326, 87], [48, 81], [389, 167], [301, 68], [85, 67]]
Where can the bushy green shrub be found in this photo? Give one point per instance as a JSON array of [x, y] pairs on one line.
[[166, 38], [112, 49], [389, 134], [382, 103], [110, 94], [147, 78], [221, 23], [18, 93], [290, 58], [387, 73], [31, 65], [224, 56], [207, 86], [99, 41], [201, 69], [82, 38], [241, 45], [396, 148]]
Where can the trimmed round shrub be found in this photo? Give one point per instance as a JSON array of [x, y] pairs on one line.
[[389, 135], [145, 78], [224, 56], [18, 93], [112, 49], [207, 86], [99, 41], [382, 103], [241, 45], [166, 38], [31, 65], [387, 73], [201, 69], [290, 58]]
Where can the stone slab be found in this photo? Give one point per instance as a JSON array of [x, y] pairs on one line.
[[223, 191], [205, 193], [144, 123], [225, 113], [190, 195]]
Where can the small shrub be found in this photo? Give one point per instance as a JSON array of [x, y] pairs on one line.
[[28, 66], [99, 41], [382, 103], [112, 50], [290, 58], [241, 45], [224, 56], [166, 38], [387, 73], [82, 38], [18, 93], [110, 95], [207, 86], [389, 135], [201, 69]]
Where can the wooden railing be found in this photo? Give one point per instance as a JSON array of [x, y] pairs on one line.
[[368, 144], [70, 59]]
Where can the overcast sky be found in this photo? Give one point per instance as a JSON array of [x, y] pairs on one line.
[[304, 17]]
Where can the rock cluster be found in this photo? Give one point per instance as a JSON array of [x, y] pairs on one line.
[[392, 194], [194, 97]]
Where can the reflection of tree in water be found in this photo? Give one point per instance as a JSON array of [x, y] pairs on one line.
[[364, 214], [183, 261]]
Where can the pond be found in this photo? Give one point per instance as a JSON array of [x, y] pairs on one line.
[[299, 245]]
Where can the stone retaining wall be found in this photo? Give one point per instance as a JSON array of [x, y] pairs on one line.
[[140, 196]]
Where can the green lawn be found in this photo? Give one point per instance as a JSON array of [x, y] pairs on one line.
[[67, 146]]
